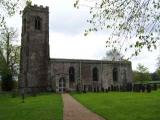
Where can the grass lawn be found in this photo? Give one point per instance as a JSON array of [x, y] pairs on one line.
[[123, 105], [46, 106]]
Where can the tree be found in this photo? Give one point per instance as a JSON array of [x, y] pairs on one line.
[[8, 8], [142, 74], [158, 73], [9, 63], [7, 83], [141, 68], [113, 55], [155, 76], [134, 22], [9, 58]]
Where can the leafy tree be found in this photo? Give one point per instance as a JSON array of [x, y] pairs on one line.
[[134, 22], [158, 73], [7, 83], [155, 76], [9, 58], [142, 74], [113, 55], [9, 53]]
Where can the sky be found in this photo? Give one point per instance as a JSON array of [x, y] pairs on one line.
[[66, 34]]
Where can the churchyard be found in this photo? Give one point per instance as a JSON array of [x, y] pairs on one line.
[[110, 105], [123, 105], [46, 106]]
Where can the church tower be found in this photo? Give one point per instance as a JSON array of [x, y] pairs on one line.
[[34, 49]]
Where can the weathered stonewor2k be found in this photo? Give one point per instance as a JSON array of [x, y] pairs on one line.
[[39, 73], [35, 49]]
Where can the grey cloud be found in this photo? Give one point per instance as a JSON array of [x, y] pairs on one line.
[[69, 21]]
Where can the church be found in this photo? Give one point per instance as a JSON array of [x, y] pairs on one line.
[[39, 72]]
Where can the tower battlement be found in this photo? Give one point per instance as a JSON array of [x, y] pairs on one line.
[[36, 8], [41, 6]]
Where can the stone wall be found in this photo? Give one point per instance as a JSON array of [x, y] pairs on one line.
[[84, 73]]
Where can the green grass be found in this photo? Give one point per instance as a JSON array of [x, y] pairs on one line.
[[123, 105], [46, 106]]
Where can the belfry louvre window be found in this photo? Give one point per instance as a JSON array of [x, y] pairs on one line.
[[95, 74], [37, 23]]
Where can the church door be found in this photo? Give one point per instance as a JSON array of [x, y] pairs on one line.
[[62, 85]]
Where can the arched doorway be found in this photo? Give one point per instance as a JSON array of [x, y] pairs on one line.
[[62, 84]]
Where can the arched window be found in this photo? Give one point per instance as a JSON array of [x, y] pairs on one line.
[[37, 23], [115, 74], [71, 74], [95, 74]]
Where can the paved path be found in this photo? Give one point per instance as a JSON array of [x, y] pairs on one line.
[[73, 110]]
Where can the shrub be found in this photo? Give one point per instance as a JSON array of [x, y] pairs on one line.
[[7, 82]]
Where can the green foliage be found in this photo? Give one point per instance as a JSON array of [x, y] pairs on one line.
[[158, 72], [122, 105], [7, 82], [155, 76], [2, 62], [42, 107], [142, 74], [134, 22], [0, 84], [6, 76], [141, 77], [9, 53], [9, 57]]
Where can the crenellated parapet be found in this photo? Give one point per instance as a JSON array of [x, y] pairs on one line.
[[38, 8]]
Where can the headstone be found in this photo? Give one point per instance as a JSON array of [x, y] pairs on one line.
[[148, 88], [102, 89], [143, 88], [97, 89], [109, 89], [106, 90]]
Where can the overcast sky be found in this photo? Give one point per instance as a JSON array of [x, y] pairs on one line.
[[67, 26]]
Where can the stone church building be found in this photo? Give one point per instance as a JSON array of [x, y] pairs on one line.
[[39, 72]]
